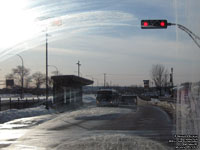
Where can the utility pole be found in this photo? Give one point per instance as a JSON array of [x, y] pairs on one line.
[[104, 80], [78, 68], [171, 77], [166, 82], [171, 81]]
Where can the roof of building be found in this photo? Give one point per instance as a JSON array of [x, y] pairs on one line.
[[70, 81]]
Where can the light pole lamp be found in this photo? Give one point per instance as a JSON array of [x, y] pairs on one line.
[[55, 68]]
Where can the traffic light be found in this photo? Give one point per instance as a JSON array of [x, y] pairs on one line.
[[154, 24]]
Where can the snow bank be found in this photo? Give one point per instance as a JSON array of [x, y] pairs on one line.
[[95, 111], [89, 112], [112, 142], [12, 114]]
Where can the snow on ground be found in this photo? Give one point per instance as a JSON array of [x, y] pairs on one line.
[[111, 142], [98, 140], [95, 111], [12, 114], [77, 137], [16, 123], [6, 97]]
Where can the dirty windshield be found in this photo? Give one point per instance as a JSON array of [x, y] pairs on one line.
[[104, 95], [99, 74]]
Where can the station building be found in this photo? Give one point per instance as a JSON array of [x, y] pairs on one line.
[[67, 89]]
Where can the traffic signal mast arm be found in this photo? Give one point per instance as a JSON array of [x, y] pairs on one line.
[[190, 33], [163, 24]]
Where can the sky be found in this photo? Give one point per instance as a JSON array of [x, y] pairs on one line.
[[105, 36]]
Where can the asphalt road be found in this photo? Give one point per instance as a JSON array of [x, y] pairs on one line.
[[147, 121]]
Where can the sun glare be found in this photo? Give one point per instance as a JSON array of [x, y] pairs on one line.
[[17, 22]]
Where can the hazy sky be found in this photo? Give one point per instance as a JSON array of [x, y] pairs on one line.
[[105, 35]]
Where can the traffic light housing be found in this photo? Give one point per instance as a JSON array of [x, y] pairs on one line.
[[154, 24]]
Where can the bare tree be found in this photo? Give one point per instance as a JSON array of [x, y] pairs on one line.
[[18, 74], [10, 76], [39, 79], [166, 78], [28, 80], [50, 82], [160, 76]]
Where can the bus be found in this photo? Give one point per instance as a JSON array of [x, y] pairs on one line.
[[107, 97]]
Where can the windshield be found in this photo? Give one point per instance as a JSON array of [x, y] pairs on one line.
[[58, 56], [104, 95]]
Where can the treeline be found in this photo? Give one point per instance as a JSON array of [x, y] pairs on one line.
[[35, 80], [33, 91]]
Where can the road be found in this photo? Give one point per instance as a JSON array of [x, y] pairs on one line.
[[146, 126]]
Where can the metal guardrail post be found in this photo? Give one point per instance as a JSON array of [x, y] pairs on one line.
[[26, 102], [18, 102], [0, 103]]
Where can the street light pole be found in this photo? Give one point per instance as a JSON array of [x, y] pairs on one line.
[[47, 91], [58, 23], [22, 76]]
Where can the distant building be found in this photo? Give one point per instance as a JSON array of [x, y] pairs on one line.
[[67, 89], [146, 83]]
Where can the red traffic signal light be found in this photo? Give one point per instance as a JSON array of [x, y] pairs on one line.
[[154, 24]]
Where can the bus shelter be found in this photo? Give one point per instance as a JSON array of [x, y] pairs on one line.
[[67, 89]]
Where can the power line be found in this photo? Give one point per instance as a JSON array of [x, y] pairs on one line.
[[114, 74]]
